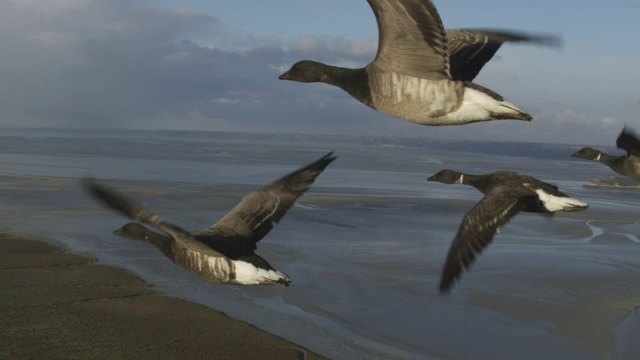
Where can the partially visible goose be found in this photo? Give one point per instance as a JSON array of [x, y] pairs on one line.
[[224, 252], [421, 72], [627, 165], [506, 194]]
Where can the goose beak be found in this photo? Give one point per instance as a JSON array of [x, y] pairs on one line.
[[574, 155], [430, 178], [283, 77]]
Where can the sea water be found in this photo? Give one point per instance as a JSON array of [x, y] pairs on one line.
[[364, 247]]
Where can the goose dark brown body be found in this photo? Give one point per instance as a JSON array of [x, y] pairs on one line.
[[223, 252], [422, 72], [627, 165], [506, 194]]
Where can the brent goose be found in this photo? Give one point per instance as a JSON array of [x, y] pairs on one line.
[[421, 72], [506, 193], [224, 252], [628, 165]]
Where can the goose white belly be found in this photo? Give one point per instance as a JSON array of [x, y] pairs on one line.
[[224, 270], [557, 203], [416, 99], [249, 274]]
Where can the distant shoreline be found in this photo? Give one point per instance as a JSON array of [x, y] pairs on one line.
[[624, 187], [617, 182]]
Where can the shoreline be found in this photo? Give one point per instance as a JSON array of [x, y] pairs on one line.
[[66, 305]]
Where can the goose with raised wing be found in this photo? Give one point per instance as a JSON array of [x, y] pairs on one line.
[[422, 73], [627, 165], [224, 252], [505, 195]]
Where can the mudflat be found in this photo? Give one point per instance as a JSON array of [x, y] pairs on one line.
[[57, 304]]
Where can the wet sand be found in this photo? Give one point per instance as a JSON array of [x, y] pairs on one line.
[[62, 305]]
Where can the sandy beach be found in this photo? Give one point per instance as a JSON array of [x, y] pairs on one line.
[[62, 305]]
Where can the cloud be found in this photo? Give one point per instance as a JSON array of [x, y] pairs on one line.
[[320, 46], [567, 116], [111, 63], [136, 64], [225, 100], [66, 62], [609, 121], [572, 126]]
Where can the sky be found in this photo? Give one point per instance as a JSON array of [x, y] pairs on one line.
[[214, 65]]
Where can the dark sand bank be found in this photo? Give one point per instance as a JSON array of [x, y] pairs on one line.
[[61, 305]]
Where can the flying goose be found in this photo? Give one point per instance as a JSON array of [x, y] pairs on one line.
[[505, 194], [224, 252], [421, 72], [627, 165]]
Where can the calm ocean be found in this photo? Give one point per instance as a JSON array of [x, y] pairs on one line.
[[364, 247]]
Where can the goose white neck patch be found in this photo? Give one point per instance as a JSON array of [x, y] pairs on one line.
[[460, 180], [598, 158]]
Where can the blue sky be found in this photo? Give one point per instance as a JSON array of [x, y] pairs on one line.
[[213, 65]]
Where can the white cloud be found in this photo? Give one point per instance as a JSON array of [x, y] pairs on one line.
[[334, 48], [567, 116], [610, 121], [570, 119], [225, 100], [363, 47], [309, 43]]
